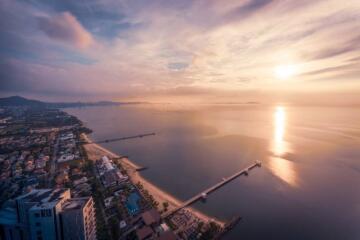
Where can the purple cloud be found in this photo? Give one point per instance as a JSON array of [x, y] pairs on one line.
[[131, 47], [66, 28]]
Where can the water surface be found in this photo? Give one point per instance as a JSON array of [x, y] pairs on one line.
[[308, 187]]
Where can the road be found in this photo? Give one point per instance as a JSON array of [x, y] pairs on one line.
[[52, 168]]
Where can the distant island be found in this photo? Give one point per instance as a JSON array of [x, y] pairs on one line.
[[24, 102]]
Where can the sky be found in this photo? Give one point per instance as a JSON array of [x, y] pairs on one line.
[[166, 50]]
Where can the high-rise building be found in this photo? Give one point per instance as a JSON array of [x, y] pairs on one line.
[[46, 214], [40, 211], [78, 219]]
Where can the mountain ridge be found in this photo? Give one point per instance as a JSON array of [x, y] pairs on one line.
[[18, 101]]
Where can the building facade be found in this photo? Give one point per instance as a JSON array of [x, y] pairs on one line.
[[46, 214], [78, 219]]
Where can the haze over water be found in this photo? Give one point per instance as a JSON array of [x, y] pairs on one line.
[[307, 188]]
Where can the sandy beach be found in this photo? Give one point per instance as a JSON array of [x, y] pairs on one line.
[[95, 151]]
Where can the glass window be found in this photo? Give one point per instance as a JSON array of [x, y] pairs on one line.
[[46, 213]]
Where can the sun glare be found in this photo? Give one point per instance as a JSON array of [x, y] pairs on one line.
[[279, 123], [285, 71]]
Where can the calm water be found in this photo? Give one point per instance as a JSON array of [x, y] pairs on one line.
[[308, 187]]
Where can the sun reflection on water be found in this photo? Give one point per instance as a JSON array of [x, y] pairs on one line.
[[279, 124], [282, 168]]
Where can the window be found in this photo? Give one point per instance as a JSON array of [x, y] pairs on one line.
[[46, 213]]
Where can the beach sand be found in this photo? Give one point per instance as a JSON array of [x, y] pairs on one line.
[[96, 151]]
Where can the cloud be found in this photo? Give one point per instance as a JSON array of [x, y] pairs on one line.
[[65, 27], [248, 8], [177, 66], [346, 47], [134, 47], [335, 70]]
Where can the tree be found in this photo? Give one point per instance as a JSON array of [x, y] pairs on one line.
[[165, 206]]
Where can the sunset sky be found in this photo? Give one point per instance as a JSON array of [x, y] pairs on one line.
[[170, 50]]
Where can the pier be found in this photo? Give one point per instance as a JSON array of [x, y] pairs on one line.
[[204, 193], [139, 169], [121, 138]]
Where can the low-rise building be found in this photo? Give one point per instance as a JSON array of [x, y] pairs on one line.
[[144, 233], [151, 217], [110, 175]]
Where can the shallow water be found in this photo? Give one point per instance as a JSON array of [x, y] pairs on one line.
[[308, 187]]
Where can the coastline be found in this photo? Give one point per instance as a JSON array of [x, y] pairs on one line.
[[95, 151]]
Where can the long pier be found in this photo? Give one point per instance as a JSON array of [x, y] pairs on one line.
[[121, 138], [204, 193]]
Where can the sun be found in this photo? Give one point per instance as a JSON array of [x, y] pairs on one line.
[[285, 71]]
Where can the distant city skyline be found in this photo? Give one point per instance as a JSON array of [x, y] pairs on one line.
[[181, 51]]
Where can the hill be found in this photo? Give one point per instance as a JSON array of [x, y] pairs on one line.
[[24, 102], [20, 101]]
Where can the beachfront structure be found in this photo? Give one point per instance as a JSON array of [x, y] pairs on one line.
[[49, 214], [153, 228], [107, 163], [110, 175], [151, 217]]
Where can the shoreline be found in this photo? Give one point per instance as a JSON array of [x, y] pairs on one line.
[[95, 151]]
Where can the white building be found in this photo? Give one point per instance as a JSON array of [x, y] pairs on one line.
[[107, 163]]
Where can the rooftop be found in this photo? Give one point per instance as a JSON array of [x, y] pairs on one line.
[[43, 195], [151, 216], [169, 235], [75, 203], [144, 232]]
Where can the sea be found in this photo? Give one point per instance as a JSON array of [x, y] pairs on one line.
[[307, 188]]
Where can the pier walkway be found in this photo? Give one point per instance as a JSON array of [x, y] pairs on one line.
[[204, 193], [121, 138]]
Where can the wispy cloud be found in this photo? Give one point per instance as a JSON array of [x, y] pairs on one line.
[[127, 47], [65, 27]]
